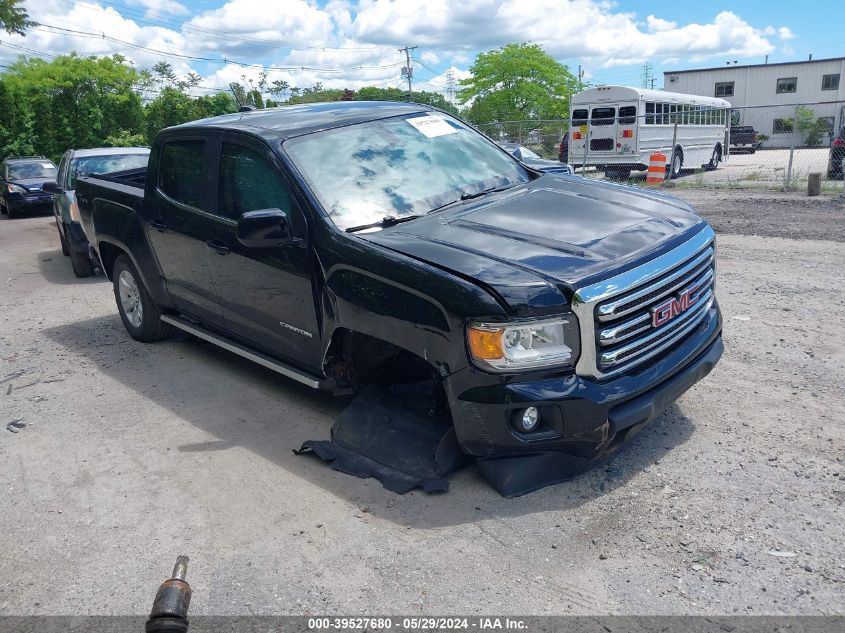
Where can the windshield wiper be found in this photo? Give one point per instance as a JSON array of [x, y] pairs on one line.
[[477, 194], [383, 223]]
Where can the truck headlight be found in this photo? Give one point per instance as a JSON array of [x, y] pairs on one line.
[[15, 188], [535, 344], [73, 211]]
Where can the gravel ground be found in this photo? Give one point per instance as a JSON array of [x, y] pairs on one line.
[[791, 215], [731, 502]]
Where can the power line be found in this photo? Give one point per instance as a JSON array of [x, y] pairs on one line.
[[211, 60], [152, 18]]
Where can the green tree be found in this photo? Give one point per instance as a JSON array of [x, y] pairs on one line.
[[170, 107], [72, 101], [13, 18], [517, 82], [810, 128], [214, 105], [371, 93], [125, 138]]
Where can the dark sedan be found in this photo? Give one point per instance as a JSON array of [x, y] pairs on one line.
[[532, 160], [22, 180]]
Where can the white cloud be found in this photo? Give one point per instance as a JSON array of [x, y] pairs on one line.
[[361, 38], [566, 28], [162, 7], [656, 25], [263, 26]]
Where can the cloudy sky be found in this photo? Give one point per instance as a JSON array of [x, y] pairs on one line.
[[342, 43]]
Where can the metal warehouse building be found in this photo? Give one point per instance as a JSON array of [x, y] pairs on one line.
[[779, 86]]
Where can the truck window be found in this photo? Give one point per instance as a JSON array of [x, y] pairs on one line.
[[579, 117], [180, 171], [247, 182]]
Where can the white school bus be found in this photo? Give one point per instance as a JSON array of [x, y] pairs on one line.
[[616, 129]]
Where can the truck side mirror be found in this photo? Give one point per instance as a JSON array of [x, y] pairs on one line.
[[266, 228], [52, 187]]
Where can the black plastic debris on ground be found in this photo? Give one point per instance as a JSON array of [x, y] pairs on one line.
[[385, 434]]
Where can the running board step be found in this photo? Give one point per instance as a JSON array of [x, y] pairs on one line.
[[250, 354]]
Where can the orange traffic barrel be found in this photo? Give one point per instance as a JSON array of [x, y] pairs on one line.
[[656, 169]]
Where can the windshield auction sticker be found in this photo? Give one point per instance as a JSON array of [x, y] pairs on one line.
[[431, 126]]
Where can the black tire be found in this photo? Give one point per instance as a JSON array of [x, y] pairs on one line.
[[144, 324], [619, 173], [673, 170], [715, 159], [81, 264], [62, 240]]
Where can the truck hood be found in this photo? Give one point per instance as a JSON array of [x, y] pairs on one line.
[[533, 245]]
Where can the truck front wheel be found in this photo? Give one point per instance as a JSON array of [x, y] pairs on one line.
[[139, 313]]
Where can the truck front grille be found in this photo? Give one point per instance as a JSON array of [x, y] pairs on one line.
[[634, 317]]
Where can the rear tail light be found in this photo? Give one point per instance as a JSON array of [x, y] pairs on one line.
[[576, 136], [627, 133], [839, 142]]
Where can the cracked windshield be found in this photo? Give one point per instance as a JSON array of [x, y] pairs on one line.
[[399, 167]]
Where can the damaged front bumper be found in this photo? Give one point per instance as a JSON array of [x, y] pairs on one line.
[[583, 420]]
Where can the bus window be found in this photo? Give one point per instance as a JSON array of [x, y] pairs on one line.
[[579, 117], [628, 115], [649, 113], [603, 116], [686, 114], [673, 113]]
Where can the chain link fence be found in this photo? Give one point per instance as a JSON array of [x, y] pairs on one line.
[[759, 147]]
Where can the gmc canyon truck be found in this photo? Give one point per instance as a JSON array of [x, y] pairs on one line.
[[350, 244]]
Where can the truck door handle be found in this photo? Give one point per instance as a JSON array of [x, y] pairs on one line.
[[218, 246], [158, 225]]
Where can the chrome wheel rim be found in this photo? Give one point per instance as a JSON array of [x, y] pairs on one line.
[[676, 165], [130, 298]]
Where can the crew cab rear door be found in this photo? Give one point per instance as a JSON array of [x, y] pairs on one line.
[[179, 224], [267, 294]]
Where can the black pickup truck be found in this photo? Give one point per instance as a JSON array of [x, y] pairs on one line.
[[349, 244]]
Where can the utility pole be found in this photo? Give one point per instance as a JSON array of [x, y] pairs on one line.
[[646, 76], [450, 86], [580, 77], [408, 70]]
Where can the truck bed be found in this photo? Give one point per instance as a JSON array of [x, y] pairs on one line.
[[109, 197]]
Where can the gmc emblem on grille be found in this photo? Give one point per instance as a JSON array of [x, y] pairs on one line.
[[673, 306]]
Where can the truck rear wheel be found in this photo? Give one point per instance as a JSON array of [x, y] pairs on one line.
[[139, 313]]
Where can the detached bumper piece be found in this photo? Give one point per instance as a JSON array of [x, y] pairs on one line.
[[384, 434]]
